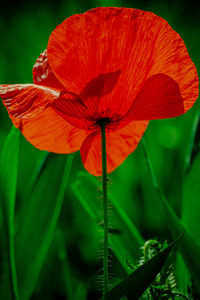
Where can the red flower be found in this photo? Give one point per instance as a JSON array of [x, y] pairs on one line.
[[123, 65]]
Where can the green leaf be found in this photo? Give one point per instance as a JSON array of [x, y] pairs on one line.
[[190, 216], [193, 146], [139, 280], [37, 171], [191, 203], [182, 274], [190, 250], [73, 289], [38, 220], [8, 183]]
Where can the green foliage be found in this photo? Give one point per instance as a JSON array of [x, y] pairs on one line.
[[38, 220], [126, 239], [138, 281], [191, 203], [189, 248], [50, 210], [8, 182], [164, 286]]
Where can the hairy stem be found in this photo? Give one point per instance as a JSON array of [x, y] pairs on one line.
[[105, 211]]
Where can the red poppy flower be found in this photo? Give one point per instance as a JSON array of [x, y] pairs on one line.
[[123, 65]]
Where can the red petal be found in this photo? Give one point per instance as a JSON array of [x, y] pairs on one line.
[[73, 110], [48, 131], [119, 144], [138, 43], [43, 74], [27, 100], [159, 98], [97, 92], [171, 58]]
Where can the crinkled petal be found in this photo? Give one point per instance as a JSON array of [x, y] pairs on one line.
[[27, 100], [171, 58], [159, 98], [139, 44], [43, 74], [119, 144], [49, 131], [73, 110]]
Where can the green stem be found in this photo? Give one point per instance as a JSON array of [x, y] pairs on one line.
[[105, 211]]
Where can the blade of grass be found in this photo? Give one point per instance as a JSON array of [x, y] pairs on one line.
[[74, 289], [38, 222], [191, 203], [8, 183], [36, 172], [40, 164], [189, 248], [81, 291], [191, 144], [65, 267], [139, 280]]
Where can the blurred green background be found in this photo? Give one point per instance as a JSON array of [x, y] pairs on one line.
[[59, 261]]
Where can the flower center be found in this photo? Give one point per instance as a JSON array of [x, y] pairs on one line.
[[103, 121]]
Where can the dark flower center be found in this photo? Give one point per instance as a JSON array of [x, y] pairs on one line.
[[103, 121]]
